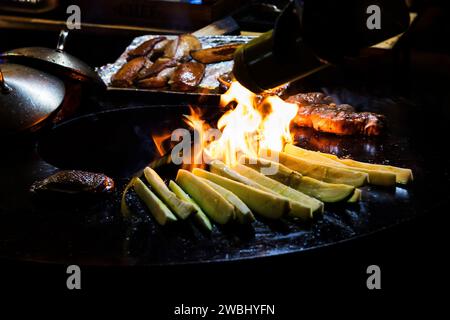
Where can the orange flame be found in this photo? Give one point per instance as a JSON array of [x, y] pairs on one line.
[[255, 123]]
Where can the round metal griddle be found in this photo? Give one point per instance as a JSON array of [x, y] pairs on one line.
[[118, 142]]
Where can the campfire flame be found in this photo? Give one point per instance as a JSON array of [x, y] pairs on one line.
[[254, 124]]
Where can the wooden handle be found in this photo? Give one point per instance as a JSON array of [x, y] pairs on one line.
[[221, 27]]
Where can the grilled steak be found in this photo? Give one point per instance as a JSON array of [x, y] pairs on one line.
[[319, 112]]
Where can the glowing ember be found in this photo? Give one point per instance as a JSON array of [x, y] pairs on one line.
[[255, 123]]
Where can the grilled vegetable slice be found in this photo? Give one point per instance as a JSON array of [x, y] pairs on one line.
[[158, 81], [243, 213], [303, 206], [158, 209], [125, 77], [323, 172], [261, 202], [180, 48], [199, 215], [145, 48], [403, 175], [212, 202], [323, 191], [219, 168], [356, 196], [153, 69], [187, 76], [216, 54], [181, 208], [376, 176]]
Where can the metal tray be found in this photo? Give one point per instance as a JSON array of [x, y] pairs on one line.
[[209, 84]]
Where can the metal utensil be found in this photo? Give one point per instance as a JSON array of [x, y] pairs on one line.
[[27, 97], [55, 59]]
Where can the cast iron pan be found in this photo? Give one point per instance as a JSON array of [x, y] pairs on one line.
[[118, 142]]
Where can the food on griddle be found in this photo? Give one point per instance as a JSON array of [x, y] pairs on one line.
[[264, 203], [302, 206], [159, 81], [243, 213], [216, 54], [181, 208], [403, 175], [199, 215], [323, 172], [356, 197], [311, 98], [212, 203], [159, 210], [75, 182], [323, 191], [377, 177], [125, 77], [145, 48], [181, 47], [316, 111], [154, 68], [187, 76], [219, 168]]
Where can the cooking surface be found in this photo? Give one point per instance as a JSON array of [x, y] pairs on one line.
[[92, 231]]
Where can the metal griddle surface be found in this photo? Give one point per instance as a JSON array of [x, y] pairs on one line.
[[92, 231]]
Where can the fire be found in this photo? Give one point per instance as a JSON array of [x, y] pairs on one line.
[[255, 123]]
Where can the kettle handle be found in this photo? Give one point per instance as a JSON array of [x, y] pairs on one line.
[[3, 86], [62, 40]]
